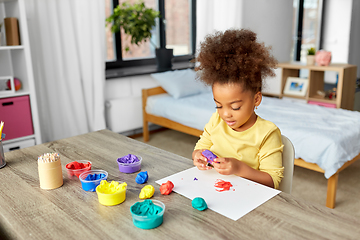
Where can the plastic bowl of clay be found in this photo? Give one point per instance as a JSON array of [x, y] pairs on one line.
[[91, 179], [75, 173], [132, 167], [110, 198], [144, 221]]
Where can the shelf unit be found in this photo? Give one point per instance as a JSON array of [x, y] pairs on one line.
[[346, 84], [16, 61]]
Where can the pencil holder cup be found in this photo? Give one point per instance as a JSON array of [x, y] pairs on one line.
[[50, 174], [2, 157]]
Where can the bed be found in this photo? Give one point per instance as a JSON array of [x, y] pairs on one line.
[[326, 140]]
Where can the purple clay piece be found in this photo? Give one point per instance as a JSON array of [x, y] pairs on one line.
[[129, 163], [209, 155], [130, 158]]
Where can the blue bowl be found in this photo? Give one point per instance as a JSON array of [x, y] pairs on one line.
[[91, 179]]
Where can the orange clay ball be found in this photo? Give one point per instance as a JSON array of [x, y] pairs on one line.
[[166, 188]]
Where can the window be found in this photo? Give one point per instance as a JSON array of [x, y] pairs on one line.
[[307, 27], [176, 31]]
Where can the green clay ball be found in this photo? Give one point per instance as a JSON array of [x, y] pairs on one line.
[[199, 204]]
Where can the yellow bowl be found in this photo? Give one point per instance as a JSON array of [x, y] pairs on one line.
[[111, 199]]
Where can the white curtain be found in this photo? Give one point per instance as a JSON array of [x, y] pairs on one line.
[[67, 42], [217, 15]]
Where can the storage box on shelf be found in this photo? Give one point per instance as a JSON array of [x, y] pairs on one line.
[[18, 109], [345, 85], [16, 113]]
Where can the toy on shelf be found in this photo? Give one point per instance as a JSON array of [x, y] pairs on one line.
[[17, 84], [331, 94], [323, 58]]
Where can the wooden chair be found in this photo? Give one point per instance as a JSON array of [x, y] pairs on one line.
[[288, 156]]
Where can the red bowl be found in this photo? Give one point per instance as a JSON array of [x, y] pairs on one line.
[[72, 173]]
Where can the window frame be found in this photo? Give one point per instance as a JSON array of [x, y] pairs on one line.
[[299, 28], [120, 63]]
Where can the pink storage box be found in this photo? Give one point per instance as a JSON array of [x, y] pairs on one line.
[[16, 114], [329, 105]]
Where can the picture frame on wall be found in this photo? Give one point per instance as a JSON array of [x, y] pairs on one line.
[[296, 86]]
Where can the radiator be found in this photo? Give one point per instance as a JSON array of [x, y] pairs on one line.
[[124, 114]]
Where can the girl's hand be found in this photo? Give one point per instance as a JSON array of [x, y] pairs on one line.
[[199, 160], [227, 166]]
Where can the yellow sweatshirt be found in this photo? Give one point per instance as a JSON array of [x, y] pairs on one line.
[[260, 146]]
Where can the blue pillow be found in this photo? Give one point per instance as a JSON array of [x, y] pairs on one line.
[[180, 83]]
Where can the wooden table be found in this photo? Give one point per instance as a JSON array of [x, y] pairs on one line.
[[69, 212]]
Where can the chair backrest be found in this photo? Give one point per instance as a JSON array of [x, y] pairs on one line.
[[288, 156]]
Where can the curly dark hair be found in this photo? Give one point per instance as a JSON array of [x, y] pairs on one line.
[[234, 57]]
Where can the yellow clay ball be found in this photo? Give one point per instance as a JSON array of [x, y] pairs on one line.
[[147, 192]]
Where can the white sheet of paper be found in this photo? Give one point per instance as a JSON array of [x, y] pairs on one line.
[[243, 196]]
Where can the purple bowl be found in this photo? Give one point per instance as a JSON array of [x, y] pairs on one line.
[[129, 167]]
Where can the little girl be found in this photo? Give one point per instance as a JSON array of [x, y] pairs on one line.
[[235, 64]]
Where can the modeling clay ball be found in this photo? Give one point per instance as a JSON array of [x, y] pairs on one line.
[[166, 188], [142, 177], [199, 204], [147, 192]]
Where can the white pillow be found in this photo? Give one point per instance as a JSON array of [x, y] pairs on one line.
[[180, 83]]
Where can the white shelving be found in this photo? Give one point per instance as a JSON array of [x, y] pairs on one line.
[[15, 61]]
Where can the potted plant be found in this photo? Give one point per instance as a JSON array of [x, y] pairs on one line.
[[137, 21], [310, 58]]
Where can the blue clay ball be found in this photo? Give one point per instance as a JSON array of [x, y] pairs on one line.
[[142, 177], [199, 204]]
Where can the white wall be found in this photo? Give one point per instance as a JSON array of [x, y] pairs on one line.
[[354, 52], [342, 33], [272, 21], [336, 29]]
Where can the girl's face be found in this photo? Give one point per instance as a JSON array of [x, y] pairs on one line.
[[236, 106]]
